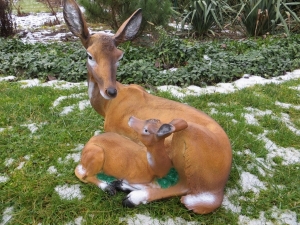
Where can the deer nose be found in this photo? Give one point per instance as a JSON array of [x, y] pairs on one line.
[[111, 92]]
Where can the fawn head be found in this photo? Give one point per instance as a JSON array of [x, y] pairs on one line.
[[153, 130]]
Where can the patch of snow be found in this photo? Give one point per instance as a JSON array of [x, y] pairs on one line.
[[250, 119], [73, 156], [289, 155], [78, 221], [8, 162], [61, 98], [97, 132], [21, 165], [33, 127], [244, 220], [8, 78], [227, 204], [225, 88], [286, 119], [141, 219], [281, 216], [52, 170], [67, 110], [250, 182], [284, 216], [287, 105], [69, 192], [4, 179], [7, 215], [57, 84], [84, 104], [79, 147]]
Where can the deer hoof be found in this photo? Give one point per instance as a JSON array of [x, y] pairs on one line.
[[111, 190], [117, 184], [135, 198], [127, 203]]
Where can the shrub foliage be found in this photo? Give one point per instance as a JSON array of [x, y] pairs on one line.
[[114, 12], [197, 63]]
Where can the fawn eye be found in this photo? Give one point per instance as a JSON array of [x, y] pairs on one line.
[[146, 131]]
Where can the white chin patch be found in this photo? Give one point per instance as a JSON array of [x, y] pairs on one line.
[[102, 93], [138, 197]]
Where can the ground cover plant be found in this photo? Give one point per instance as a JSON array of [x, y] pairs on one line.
[[198, 63], [44, 128]]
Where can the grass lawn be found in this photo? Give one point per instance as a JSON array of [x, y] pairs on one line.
[[30, 6], [43, 129]]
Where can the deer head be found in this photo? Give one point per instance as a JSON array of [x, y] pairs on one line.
[[102, 51], [152, 130]]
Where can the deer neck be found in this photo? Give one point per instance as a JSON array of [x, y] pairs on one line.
[[158, 159], [98, 102]]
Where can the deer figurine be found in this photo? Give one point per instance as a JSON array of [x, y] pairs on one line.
[[133, 165], [117, 102], [201, 173]]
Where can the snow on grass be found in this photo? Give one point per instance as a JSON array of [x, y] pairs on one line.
[[33, 127], [227, 204], [289, 155], [61, 98], [250, 182], [66, 110], [57, 84], [4, 179], [287, 105], [8, 78], [8, 162], [78, 221], [7, 215], [281, 216], [69, 192], [141, 219], [52, 170], [244, 82], [286, 119]]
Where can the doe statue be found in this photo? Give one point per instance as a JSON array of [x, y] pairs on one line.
[[201, 153]]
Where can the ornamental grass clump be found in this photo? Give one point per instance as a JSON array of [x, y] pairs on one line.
[[263, 16]]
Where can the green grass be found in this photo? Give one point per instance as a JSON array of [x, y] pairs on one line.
[[30, 6], [30, 190]]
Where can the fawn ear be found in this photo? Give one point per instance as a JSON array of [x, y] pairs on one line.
[[75, 21], [165, 130], [129, 28], [179, 124]]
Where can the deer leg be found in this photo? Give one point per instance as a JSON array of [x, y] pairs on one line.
[[82, 176], [125, 186], [135, 198]]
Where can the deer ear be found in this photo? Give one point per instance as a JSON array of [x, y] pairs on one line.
[[129, 28], [179, 124], [75, 21], [165, 129]]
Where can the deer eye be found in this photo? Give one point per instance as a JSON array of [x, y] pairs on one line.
[[90, 57], [146, 131]]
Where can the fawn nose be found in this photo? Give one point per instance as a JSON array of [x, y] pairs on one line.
[[111, 92]]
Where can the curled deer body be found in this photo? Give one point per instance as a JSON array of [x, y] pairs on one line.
[[126, 160], [117, 102]]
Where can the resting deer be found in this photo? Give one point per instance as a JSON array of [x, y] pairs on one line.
[[117, 102], [201, 179], [126, 160]]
